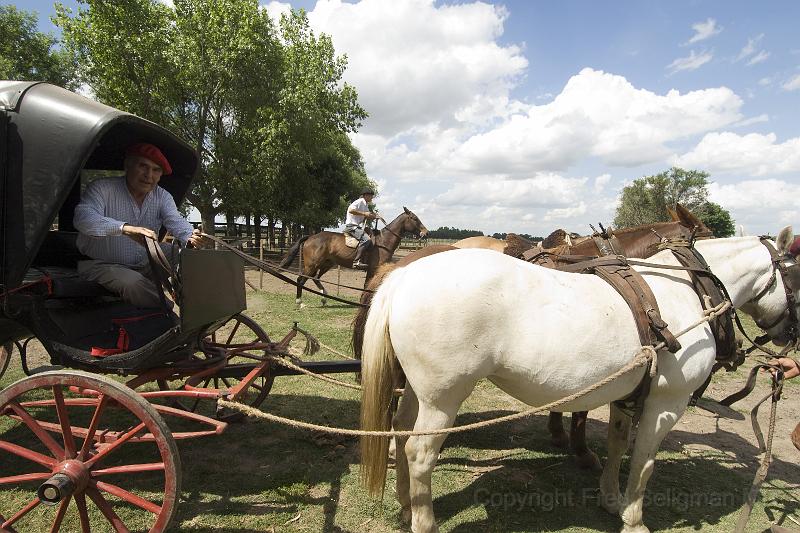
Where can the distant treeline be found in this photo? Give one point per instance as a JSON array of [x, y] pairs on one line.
[[453, 233], [502, 236], [445, 232]]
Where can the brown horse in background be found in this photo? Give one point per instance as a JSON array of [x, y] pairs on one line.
[[639, 241], [324, 250]]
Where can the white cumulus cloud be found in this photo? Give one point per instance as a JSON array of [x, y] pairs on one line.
[[597, 115], [752, 154], [415, 62]]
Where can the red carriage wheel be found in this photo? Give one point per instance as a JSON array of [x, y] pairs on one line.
[[5, 357], [239, 331], [84, 453]]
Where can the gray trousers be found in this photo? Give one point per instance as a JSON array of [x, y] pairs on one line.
[[357, 232], [133, 284]]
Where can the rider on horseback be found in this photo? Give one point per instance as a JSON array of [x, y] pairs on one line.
[[357, 212]]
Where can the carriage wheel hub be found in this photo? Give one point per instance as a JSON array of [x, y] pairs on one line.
[[69, 477]]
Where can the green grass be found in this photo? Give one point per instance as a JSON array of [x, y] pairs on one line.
[[262, 476]]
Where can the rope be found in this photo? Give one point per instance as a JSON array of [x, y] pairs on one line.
[[646, 356], [763, 467], [280, 268], [273, 272]]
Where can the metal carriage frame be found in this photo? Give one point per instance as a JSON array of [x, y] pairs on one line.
[[75, 418]]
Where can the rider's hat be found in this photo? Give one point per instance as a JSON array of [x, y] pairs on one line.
[[152, 153], [367, 190]]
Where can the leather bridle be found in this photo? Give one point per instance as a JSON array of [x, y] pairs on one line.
[[788, 273]]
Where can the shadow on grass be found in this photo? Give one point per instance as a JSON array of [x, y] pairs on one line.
[[262, 473]]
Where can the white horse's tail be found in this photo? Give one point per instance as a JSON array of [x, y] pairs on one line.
[[378, 369]]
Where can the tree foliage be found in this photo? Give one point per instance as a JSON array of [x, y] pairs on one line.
[[646, 200], [30, 55], [445, 232], [264, 106], [718, 220]]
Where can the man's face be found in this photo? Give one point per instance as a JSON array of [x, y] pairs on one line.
[[141, 174], [368, 197]]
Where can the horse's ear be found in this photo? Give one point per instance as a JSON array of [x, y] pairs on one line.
[[673, 215], [406, 210], [784, 240], [687, 218]]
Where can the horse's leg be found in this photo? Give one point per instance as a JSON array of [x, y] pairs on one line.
[[584, 457], [404, 420], [301, 280], [421, 453], [659, 416], [619, 430], [321, 272], [558, 437]]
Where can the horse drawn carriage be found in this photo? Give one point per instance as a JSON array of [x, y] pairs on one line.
[[75, 440]]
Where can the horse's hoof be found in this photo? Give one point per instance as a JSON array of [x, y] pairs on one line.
[[589, 461], [324, 302], [559, 440], [405, 516]]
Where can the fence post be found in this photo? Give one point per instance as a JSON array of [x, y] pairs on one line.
[[338, 278], [260, 271]]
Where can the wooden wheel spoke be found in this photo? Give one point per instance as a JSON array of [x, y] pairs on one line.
[[24, 478], [38, 430], [129, 469], [115, 445], [63, 419], [83, 514], [22, 512], [89, 440], [233, 331], [105, 508], [62, 509], [25, 453], [129, 497]]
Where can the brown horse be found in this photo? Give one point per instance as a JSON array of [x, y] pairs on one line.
[[640, 241], [322, 251]]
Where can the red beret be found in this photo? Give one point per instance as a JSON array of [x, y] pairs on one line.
[[152, 153], [794, 249]]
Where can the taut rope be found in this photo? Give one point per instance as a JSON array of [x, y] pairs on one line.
[[646, 356]]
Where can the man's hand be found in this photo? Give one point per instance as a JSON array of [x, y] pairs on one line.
[[789, 365], [372, 216], [197, 240], [138, 233]]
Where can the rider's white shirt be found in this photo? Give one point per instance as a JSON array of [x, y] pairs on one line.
[[359, 205]]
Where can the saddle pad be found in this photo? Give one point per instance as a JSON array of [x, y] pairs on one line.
[[350, 242]]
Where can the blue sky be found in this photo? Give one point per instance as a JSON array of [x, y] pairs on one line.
[[527, 116]]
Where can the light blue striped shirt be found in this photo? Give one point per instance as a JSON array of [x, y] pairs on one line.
[[106, 205]]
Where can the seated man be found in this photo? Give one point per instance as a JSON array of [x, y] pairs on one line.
[[114, 217], [357, 212]]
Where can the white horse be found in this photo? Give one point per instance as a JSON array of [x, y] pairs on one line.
[[452, 319]]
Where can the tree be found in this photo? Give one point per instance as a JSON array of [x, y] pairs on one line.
[[645, 201], [264, 107], [29, 55], [718, 220]]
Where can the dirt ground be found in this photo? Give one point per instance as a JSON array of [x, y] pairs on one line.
[[705, 428]]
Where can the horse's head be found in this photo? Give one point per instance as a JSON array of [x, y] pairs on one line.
[[412, 224], [776, 306]]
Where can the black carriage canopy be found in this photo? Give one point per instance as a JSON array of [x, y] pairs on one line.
[[48, 135]]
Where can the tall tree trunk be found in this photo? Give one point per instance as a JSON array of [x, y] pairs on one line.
[[248, 229], [207, 216], [230, 222], [271, 232], [282, 237], [257, 230]]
